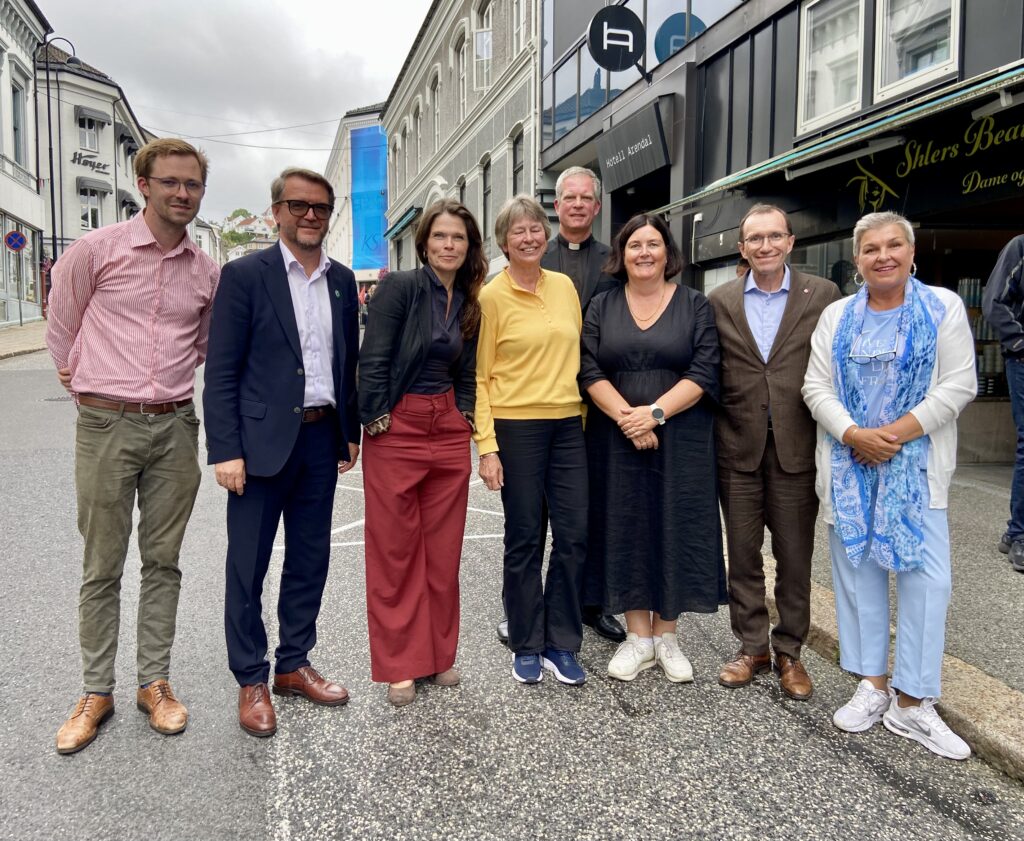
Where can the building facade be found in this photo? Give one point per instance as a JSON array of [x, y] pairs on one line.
[[358, 170], [94, 137], [460, 120], [207, 236], [828, 108], [22, 209]]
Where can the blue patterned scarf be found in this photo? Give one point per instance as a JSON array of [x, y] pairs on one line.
[[891, 534]]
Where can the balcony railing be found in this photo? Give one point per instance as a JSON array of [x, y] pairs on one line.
[[17, 172]]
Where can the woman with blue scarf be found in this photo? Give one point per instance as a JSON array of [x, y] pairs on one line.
[[890, 369]]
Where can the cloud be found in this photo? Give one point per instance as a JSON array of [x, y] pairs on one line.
[[213, 67]]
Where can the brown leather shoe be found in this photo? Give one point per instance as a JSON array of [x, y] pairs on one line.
[[740, 670], [450, 677], [308, 683], [793, 677], [255, 712], [81, 728], [167, 714]]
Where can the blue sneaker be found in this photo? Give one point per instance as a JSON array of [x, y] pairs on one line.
[[566, 667], [526, 668]]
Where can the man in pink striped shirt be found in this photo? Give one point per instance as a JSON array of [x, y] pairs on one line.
[[129, 321]]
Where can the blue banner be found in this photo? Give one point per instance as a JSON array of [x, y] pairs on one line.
[[369, 198]]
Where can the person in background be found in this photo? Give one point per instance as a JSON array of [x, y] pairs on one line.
[[129, 322], [530, 439], [766, 448], [890, 370], [742, 268], [417, 394], [1003, 306], [650, 365]]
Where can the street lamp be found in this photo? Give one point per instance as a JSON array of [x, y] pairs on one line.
[[74, 61]]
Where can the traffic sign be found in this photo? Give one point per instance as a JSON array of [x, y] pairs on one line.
[[15, 240]]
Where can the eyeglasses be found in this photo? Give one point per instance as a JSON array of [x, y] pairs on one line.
[[301, 208], [866, 359], [756, 240], [172, 185]]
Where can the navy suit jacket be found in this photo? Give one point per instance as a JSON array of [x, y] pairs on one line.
[[254, 383]]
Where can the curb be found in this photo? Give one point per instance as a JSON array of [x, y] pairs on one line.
[[7, 354], [983, 711]]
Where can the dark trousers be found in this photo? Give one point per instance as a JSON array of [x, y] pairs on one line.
[[543, 459], [1015, 380], [787, 504], [416, 482], [304, 493]]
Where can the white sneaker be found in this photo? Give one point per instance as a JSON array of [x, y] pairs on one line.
[[630, 658], [863, 710], [672, 661], [922, 724]]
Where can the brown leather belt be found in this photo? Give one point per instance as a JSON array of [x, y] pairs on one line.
[[316, 413], [134, 408]]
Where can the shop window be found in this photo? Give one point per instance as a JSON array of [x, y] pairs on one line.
[[831, 55], [18, 124], [88, 134], [482, 46], [916, 42], [518, 166], [91, 202]]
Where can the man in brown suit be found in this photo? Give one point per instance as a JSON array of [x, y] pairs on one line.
[[766, 440]]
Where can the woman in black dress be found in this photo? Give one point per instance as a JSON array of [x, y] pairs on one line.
[[650, 364]]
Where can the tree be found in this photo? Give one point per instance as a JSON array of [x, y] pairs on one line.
[[233, 238], [240, 212]]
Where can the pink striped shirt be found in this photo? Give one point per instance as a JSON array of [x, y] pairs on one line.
[[131, 322]]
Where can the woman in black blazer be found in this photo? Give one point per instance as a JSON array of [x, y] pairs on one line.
[[417, 391]]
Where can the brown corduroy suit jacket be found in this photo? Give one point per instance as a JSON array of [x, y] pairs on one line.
[[750, 385]]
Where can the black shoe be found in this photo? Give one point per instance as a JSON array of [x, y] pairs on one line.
[[1017, 555], [1005, 543], [605, 625], [503, 632]]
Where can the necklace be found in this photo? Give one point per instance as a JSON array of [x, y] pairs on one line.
[[654, 312]]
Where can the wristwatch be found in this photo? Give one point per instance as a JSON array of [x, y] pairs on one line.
[[658, 414]]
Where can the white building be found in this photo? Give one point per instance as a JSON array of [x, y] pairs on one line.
[[94, 136], [357, 169], [22, 209], [207, 236], [461, 118], [258, 244]]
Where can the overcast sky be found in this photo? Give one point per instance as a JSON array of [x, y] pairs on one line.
[[214, 67]]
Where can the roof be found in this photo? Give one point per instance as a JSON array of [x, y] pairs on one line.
[[59, 56], [409, 56], [365, 109], [32, 7]]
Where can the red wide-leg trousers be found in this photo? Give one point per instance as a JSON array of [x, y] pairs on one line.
[[416, 482]]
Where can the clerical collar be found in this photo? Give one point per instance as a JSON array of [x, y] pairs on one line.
[[575, 246]]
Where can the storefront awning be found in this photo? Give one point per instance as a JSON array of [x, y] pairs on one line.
[[843, 144], [92, 114], [84, 183], [404, 221], [124, 197]]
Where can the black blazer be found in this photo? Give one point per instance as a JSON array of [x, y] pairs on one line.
[[254, 383], [596, 280], [399, 325]]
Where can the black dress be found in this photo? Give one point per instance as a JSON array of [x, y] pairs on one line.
[[655, 537]]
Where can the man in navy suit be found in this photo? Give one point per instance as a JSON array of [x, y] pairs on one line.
[[281, 424]]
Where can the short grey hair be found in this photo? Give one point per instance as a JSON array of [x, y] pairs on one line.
[[871, 221], [516, 208], [277, 187], [573, 171]]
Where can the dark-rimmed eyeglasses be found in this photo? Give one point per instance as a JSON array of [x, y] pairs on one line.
[[301, 208], [172, 185], [865, 359]]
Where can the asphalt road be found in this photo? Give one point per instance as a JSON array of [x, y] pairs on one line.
[[490, 759]]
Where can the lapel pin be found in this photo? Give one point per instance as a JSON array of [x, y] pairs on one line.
[[806, 291], [337, 294]]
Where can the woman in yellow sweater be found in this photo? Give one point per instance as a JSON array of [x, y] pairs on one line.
[[530, 438]]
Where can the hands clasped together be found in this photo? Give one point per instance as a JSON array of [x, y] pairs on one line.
[[872, 446], [637, 424]]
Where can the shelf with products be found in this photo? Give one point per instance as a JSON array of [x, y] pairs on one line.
[[989, 357]]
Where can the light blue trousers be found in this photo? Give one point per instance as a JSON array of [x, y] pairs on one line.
[[922, 598]]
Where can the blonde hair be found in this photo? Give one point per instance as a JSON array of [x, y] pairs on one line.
[[161, 148], [518, 207]]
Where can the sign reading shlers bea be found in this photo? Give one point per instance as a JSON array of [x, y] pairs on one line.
[[633, 148]]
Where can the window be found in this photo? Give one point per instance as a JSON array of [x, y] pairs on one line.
[[518, 26], [462, 191], [485, 208], [18, 124], [830, 61], [435, 104], [460, 79], [91, 200], [518, 169], [416, 136], [405, 158], [88, 134], [398, 254], [915, 43], [482, 41]]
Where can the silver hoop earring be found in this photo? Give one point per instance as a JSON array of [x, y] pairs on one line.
[[858, 281], [913, 269]]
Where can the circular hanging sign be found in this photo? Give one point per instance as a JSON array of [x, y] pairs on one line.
[[15, 241], [616, 38]]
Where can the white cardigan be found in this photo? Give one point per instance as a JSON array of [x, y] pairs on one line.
[[954, 385]]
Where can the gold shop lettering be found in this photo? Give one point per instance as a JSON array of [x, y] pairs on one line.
[[982, 135]]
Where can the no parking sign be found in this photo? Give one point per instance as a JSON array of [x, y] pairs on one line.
[[15, 240]]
